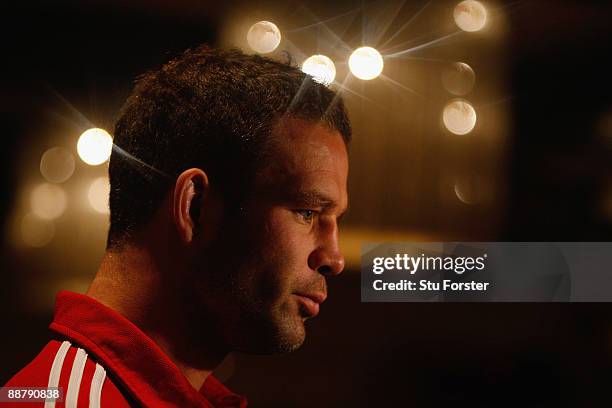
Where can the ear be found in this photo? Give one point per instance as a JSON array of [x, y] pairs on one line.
[[189, 191]]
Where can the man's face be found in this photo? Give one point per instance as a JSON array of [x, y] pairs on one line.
[[276, 257]]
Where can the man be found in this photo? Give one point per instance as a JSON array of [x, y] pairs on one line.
[[228, 181]]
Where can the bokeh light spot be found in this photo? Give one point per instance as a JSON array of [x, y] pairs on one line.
[[459, 117], [321, 68], [470, 15], [458, 78], [95, 146], [48, 201], [57, 165], [366, 63], [36, 232], [98, 195], [264, 37]]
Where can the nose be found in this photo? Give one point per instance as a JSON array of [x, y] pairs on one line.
[[327, 259], [326, 262]]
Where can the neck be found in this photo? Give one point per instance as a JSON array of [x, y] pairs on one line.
[[131, 282]]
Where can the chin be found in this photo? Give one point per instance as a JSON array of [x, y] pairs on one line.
[[279, 346], [274, 336], [291, 341]]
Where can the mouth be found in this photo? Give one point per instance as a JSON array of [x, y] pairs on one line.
[[310, 303]]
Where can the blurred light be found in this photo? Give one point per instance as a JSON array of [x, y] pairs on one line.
[[470, 15], [57, 165], [466, 190], [48, 201], [459, 117], [461, 195], [98, 195], [366, 63], [95, 146], [459, 78], [321, 68], [264, 37], [36, 232]]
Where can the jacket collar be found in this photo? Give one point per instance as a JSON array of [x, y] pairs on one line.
[[136, 361]]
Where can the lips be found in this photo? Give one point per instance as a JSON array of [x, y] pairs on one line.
[[310, 302]]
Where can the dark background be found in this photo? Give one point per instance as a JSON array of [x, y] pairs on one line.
[[543, 146]]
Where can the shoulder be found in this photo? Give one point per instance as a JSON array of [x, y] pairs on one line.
[[83, 380]]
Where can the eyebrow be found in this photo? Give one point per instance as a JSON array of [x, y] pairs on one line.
[[316, 199]]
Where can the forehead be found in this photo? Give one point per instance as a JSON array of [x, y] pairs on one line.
[[306, 155]]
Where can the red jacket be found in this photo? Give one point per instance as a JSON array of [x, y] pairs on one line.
[[100, 359]]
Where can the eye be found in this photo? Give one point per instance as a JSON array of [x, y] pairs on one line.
[[306, 215]]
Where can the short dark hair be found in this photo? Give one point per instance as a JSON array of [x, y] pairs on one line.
[[208, 108]]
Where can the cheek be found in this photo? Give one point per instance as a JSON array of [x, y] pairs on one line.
[[289, 238], [284, 252]]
